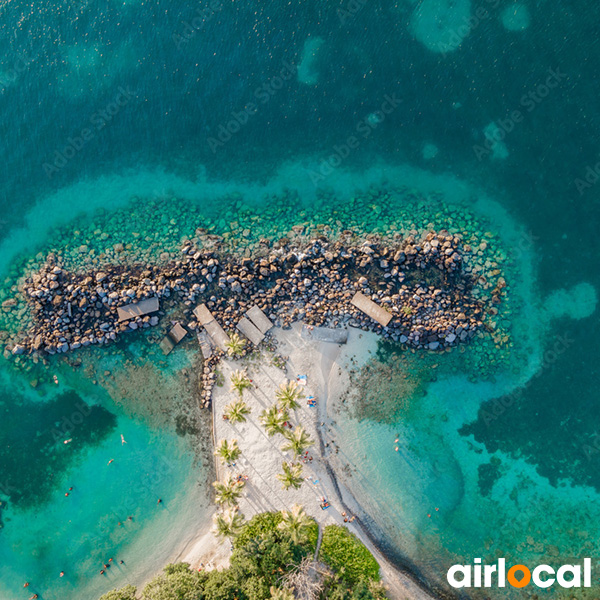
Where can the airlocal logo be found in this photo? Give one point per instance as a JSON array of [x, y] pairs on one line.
[[519, 576]]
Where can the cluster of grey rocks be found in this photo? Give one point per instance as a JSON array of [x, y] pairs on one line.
[[420, 281]]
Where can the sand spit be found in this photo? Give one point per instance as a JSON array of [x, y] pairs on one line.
[[262, 456]]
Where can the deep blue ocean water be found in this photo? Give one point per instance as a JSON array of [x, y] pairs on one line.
[[135, 86]]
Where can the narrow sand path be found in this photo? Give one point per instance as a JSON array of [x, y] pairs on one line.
[[262, 456]]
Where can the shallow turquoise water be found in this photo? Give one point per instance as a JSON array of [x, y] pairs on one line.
[[61, 68], [69, 504]]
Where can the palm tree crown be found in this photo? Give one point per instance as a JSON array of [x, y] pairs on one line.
[[296, 522], [273, 419], [288, 395], [228, 524], [291, 476], [235, 345], [228, 491], [236, 411], [228, 451], [240, 381], [297, 441]]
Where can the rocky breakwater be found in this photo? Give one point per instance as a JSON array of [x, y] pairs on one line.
[[420, 280]]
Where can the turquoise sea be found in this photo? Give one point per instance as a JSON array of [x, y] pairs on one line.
[[146, 107]]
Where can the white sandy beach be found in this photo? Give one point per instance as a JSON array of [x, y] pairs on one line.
[[262, 458]]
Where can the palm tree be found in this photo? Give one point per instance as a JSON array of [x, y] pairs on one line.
[[280, 594], [297, 441], [291, 476], [228, 491], [228, 452], [240, 381], [288, 395], [228, 524], [272, 420], [236, 411], [296, 522], [235, 345]]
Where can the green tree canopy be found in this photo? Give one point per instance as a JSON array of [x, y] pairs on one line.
[[125, 593], [297, 523], [347, 555], [177, 582]]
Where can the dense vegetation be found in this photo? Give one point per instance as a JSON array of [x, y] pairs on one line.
[[347, 555], [272, 559]]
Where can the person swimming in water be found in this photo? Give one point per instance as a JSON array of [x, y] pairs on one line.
[[122, 440]]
